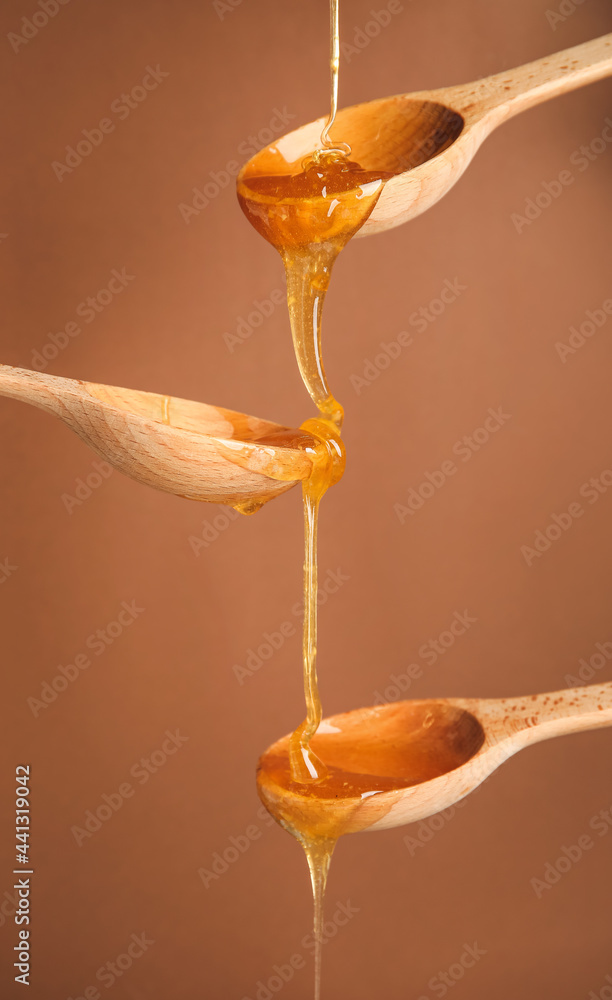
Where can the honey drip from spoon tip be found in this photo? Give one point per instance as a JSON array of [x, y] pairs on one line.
[[328, 467], [309, 216], [319, 855]]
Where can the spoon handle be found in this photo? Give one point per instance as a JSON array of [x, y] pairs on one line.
[[542, 716], [504, 95], [43, 391]]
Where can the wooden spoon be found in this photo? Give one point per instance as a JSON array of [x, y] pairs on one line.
[[427, 139], [402, 762], [197, 451]]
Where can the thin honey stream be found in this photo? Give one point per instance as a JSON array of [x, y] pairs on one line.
[[309, 217], [309, 214]]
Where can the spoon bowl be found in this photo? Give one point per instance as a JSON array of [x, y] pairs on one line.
[[427, 139], [194, 450], [401, 762]]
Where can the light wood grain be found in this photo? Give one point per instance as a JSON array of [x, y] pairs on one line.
[[510, 725], [194, 450], [443, 749], [427, 139]]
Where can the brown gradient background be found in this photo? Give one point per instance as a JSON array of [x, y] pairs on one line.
[[173, 667]]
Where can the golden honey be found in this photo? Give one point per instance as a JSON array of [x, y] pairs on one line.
[[309, 216]]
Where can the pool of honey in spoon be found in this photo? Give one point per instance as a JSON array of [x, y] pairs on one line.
[[328, 199], [309, 216], [367, 752]]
